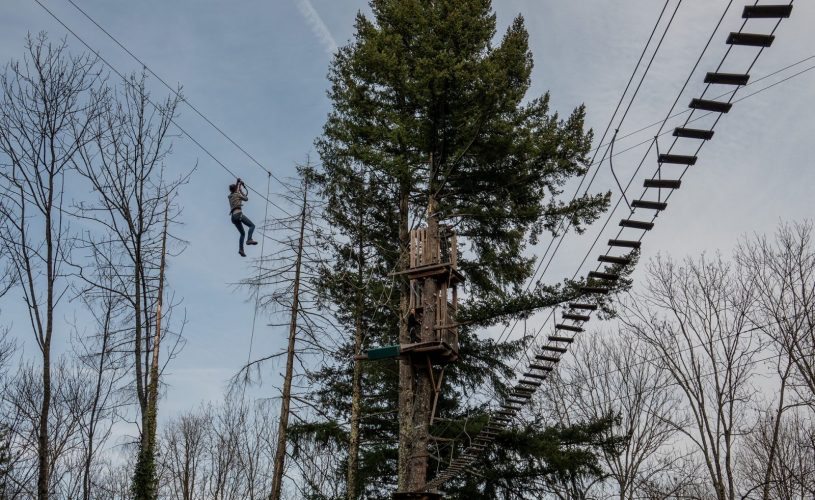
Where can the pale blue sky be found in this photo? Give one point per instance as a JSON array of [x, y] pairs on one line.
[[257, 69]]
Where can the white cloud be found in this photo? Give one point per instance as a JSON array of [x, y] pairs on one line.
[[318, 26]]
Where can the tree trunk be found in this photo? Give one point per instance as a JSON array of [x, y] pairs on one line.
[[152, 396], [405, 367], [280, 452], [144, 482], [42, 437], [95, 410], [779, 413], [356, 383], [423, 375]]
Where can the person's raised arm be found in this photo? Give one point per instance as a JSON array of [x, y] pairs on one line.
[[243, 191]]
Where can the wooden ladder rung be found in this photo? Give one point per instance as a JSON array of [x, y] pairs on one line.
[[708, 105], [569, 328], [677, 159], [611, 259], [750, 39], [637, 224], [585, 307], [662, 183], [603, 276], [693, 133], [542, 368], [650, 205], [727, 78], [766, 11], [624, 243], [561, 350]]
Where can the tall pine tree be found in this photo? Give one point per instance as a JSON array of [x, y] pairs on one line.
[[430, 115]]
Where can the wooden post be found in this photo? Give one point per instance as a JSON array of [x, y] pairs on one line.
[[280, 452]]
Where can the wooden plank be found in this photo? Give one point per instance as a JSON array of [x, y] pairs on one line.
[[727, 78], [693, 133], [708, 105], [637, 224], [750, 39], [766, 11]]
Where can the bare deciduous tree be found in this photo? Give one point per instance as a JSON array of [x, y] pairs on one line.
[[783, 275], [220, 452], [125, 166], [100, 355], [696, 316], [615, 376], [785, 449], [66, 444], [48, 105]]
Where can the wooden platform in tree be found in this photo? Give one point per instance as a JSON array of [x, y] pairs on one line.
[[439, 352]]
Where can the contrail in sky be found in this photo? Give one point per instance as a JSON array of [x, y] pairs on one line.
[[317, 26]]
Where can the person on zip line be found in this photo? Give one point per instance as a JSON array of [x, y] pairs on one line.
[[237, 195]]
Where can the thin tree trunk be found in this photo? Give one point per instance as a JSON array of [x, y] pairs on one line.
[[405, 366], [86, 473], [356, 384], [144, 482], [280, 452], [42, 438], [152, 397], [765, 491]]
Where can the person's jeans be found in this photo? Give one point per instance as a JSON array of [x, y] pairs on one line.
[[239, 220]]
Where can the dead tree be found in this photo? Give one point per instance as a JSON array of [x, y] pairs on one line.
[[49, 103], [284, 284], [285, 401]]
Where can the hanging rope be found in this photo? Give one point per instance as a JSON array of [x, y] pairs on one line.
[[611, 166]]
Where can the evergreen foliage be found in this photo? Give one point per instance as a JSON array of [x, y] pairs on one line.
[[535, 460], [427, 105]]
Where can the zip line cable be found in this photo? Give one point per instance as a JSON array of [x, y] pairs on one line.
[[446, 476], [686, 111], [645, 156], [175, 92], [732, 95], [172, 120], [787, 78], [611, 213], [605, 132]]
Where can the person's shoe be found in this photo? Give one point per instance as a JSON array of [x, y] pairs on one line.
[[242, 253], [251, 242]]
